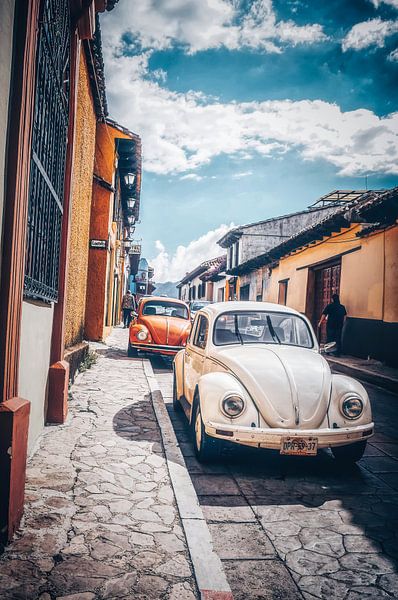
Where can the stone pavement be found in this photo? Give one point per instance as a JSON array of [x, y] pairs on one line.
[[100, 520], [372, 371]]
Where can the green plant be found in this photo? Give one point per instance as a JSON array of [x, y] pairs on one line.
[[89, 360]]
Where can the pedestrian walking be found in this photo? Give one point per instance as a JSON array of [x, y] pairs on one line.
[[335, 315], [128, 305]]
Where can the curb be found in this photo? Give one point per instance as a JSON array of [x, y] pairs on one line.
[[383, 381], [208, 569]]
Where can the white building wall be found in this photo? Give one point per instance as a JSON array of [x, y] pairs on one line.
[[218, 285], [6, 40], [34, 362]]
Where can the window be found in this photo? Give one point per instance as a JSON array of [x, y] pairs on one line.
[[48, 158], [244, 292], [165, 309], [282, 292], [262, 328], [236, 257], [201, 332]]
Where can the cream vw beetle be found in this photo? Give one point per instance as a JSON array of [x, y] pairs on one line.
[[252, 373]]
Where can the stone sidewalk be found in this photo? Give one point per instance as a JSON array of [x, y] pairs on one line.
[[100, 519]]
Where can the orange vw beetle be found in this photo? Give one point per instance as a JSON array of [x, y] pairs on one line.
[[162, 326]]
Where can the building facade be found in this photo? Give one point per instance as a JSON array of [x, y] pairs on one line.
[[249, 241], [352, 252], [198, 284], [49, 107]]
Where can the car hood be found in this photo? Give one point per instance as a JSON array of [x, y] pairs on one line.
[[166, 331], [290, 386]]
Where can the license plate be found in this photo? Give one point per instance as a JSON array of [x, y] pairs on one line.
[[299, 446]]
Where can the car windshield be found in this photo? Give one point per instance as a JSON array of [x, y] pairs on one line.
[[198, 305], [261, 328], [165, 309]]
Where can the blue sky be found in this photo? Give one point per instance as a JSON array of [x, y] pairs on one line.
[[249, 109]]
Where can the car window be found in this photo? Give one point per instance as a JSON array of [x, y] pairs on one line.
[[262, 328], [202, 328], [166, 309], [198, 305]]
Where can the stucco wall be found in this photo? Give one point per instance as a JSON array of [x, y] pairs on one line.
[[83, 164], [362, 272], [6, 34], [34, 361]]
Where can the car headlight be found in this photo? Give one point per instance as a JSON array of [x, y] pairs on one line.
[[352, 407], [142, 335], [233, 406]]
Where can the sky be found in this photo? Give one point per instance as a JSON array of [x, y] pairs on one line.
[[249, 109]]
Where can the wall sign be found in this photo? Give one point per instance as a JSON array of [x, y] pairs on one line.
[[99, 244], [135, 249]]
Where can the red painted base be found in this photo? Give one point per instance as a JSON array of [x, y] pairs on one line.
[[14, 425], [58, 378]]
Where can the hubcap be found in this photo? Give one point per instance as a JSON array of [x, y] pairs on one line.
[[198, 430]]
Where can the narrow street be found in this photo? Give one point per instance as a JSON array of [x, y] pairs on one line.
[[290, 527]]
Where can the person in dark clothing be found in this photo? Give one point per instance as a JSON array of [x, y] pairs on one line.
[[335, 315], [128, 305]]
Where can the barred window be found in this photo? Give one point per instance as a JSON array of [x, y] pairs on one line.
[[49, 142]]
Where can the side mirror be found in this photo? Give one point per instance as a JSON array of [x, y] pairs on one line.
[[329, 348]]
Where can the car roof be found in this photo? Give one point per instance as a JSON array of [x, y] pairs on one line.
[[245, 305], [163, 299]]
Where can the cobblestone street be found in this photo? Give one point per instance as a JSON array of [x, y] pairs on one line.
[[290, 527], [100, 519]]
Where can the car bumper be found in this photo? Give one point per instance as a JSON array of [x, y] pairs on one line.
[[157, 349], [272, 438]]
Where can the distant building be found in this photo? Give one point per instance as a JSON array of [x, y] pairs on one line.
[[196, 285]]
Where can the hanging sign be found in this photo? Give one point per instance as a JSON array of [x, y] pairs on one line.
[[135, 249]]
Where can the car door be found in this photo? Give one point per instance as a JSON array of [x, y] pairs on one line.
[[195, 355]]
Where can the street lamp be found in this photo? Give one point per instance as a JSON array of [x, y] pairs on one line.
[[132, 230], [130, 203], [129, 179], [131, 220]]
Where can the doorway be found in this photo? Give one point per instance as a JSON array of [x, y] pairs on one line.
[[326, 283]]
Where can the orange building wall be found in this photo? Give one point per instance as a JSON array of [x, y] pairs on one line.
[[83, 165], [98, 258]]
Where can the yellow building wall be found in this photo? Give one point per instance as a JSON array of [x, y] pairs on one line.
[[83, 165], [391, 276], [369, 282]]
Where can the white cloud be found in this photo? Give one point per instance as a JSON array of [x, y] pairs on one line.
[[173, 267], [393, 56], [182, 132], [242, 174], [204, 24], [369, 33], [377, 3], [192, 177]]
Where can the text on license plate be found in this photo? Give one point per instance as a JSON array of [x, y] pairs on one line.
[[299, 445]]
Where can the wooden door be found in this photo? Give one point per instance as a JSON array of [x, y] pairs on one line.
[[327, 283]]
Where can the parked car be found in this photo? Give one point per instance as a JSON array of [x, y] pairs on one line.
[[252, 373], [161, 325], [196, 305]]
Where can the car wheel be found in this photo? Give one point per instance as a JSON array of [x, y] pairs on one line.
[[131, 351], [206, 447], [176, 403], [349, 454]]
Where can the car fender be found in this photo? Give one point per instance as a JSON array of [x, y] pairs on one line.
[[343, 386], [178, 366], [212, 388]]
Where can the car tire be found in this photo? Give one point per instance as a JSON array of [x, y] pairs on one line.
[[176, 402], [349, 454], [131, 351], [206, 447]]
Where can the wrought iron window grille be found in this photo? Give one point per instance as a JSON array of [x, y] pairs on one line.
[[48, 157]]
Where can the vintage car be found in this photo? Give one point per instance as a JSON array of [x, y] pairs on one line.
[[161, 325], [252, 373]]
